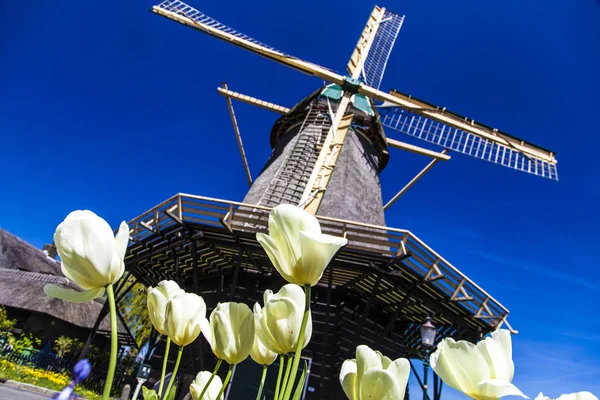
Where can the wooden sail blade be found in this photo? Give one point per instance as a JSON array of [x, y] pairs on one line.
[[506, 150], [179, 11], [374, 47]]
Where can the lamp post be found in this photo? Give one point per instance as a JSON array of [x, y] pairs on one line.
[[428, 332]]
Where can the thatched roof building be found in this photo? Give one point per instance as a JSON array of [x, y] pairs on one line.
[[24, 270]]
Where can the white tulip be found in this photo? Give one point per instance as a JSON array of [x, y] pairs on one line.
[[570, 396], [279, 322], [231, 332], [374, 376], [184, 317], [483, 371], [157, 300], [259, 353], [211, 392], [296, 246], [90, 255]]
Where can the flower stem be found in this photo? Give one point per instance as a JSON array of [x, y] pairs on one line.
[[174, 373], [279, 376], [227, 378], [113, 342], [286, 376], [290, 384], [262, 382], [211, 378], [164, 368]]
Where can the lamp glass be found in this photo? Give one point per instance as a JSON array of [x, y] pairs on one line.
[[428, 332]]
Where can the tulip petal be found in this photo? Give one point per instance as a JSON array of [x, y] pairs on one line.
[[381, 385], [495, 389], [400, 369], [280, 263], [287, 222], [348, 379], [85, 241], [317, 252], [460, 365], [72, 295], [198, 384], [385, 361], [122, 239], [366, 359], [497, 351], [73, 274]]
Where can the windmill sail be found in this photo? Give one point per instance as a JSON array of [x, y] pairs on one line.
[[187, 15], [380, 49], [494, 146]]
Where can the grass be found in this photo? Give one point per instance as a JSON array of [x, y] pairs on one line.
[[40, 377]]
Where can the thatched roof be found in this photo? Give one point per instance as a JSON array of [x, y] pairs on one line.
[[25, 290], [15, 253], [25, 270]]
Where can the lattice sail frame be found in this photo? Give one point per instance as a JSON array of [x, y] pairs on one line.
[[383, 43], [464, 142]]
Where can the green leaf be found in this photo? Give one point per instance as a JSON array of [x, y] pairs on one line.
[[298, 393], [171, 395], [149, 394]]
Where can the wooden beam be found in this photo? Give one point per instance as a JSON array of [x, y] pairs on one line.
[[417, 150], [238, 137], [253, 101], [412, 182]]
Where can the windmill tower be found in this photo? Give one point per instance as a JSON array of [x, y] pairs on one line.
[[328, 151]]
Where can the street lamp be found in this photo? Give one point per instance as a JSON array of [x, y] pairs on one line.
[[428, 332]]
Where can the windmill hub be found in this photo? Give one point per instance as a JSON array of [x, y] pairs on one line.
[[351, 85]]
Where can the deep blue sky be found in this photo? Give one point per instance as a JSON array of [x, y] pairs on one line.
[[107, 107]]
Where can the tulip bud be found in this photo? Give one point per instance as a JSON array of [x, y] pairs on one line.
[[183, 318], [231, 332], [480, 371], [90, 255], [259, 353], [278, 323], [374, 376], [158, 298], [296, 246], [211, 392]]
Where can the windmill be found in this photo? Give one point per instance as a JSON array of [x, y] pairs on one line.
[[349, 97], [328, 151]]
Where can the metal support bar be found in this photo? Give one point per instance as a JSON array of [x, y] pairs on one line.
[[195, 272], [423, 387], [238, 137], [176, 264], [324, 353], [413, 181], [236, 274]]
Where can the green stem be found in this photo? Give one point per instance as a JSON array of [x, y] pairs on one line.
[[286, 376], [227, 378], [113, 342], [279, 376], [164, 368], [211, 378], [290, 384], [262, 382], [174, 373]]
